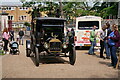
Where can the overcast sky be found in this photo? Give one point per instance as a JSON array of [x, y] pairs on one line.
[[9, 0]]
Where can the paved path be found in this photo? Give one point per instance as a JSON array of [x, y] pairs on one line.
[[0, 67], [86, 66]]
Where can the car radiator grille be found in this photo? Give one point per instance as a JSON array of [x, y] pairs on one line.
[[55, 46]]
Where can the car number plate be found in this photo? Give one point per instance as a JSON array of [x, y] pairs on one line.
[[87, 44]]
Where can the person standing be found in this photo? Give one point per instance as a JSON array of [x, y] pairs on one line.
[[67, 32], [11, 35], [92, 40], [71, 35], [114, 42], [102, 37], [5, 39], [107, 48], [21, 34]]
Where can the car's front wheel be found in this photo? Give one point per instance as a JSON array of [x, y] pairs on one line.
[[36, 57], [28, 52], [72, 56]]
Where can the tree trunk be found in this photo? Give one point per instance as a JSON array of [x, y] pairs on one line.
[[61, 10]]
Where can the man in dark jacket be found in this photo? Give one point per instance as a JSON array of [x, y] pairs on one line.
[[21, 34], [71, 35]]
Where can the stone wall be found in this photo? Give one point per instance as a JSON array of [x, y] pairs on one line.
[[111, 21]]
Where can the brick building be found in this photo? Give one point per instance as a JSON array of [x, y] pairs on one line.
[[16, 13]]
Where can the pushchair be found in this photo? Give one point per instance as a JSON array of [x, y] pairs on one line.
[[1, 47], [14, 48]]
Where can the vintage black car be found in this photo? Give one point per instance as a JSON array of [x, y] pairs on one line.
[[48, 35]]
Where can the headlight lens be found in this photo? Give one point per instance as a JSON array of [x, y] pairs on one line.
[[65, 46], [46, 46], [28, 45]]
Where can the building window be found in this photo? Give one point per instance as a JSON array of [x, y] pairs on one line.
[[13, 25], [20, 25], [23, 8], [10, 17], [9, 8], [23, 18], [3, 8]]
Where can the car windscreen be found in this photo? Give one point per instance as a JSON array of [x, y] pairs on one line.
[[53, 29], [51, 26], [87, 25]]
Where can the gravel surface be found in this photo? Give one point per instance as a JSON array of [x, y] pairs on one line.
[[86, 66]]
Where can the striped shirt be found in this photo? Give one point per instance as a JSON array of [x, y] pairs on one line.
[[102, 34]]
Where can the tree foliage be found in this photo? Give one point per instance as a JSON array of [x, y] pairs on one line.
[[73, 9], [27, 24]]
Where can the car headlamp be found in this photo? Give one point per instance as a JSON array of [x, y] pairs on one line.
[[46, 46], [65, 46], [28, 46]]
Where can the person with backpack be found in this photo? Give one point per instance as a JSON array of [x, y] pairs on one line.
[[21, 34], [114, 42]]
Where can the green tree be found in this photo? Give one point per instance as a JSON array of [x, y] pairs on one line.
[[71, 10], [106, 9], [27, 24]]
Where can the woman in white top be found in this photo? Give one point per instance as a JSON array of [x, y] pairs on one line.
[[102, 37]]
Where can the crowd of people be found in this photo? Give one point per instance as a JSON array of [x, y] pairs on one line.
[[8, 36], [109, 42]]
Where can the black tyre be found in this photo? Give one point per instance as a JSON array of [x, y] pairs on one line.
[[28, 52], [72, 56], [36, 57]]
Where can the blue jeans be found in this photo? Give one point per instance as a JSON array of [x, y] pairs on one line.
[[107, 49], [114, 59], [91, 50]]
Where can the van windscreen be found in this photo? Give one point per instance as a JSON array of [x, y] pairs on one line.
[[87, 25]]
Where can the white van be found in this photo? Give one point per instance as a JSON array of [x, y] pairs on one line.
[[84, 25]]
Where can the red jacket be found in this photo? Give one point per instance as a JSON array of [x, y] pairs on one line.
[[116, 38]]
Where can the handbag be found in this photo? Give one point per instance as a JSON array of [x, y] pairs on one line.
[[110, 41], [3, 39]]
